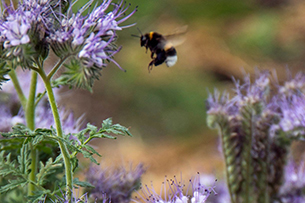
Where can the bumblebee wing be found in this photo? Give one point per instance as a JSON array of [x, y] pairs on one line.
[[178, 36]]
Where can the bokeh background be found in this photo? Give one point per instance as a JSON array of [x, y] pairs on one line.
[[165, 109]]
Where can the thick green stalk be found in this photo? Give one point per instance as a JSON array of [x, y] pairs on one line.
[[63, 147], [18, 88], [248, 130], [224, 134], [30, 120]]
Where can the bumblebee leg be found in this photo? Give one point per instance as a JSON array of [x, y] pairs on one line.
[[151, 65]]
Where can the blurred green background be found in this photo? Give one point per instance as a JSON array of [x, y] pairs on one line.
[[165, 109]]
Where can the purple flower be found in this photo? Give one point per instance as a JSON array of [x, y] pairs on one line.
[[176, 192], [293, 115], [17, 26], [221, 193], [24, 78], [294, 183], [91, 36], [293, 86], [43, 113], [118, 184], [6, 119], [252, 93]]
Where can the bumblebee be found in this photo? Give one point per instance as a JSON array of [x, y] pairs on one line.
[[161, 47]]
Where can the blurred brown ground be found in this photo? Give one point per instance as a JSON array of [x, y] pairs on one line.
[[209, 51]]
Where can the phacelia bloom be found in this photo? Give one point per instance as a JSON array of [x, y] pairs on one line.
[[22, 31], [221, 193], [176, 191], [117, 184], [293, 116], [88, 40], [91, 36], [293, 86], [257, 126], [252, 93]]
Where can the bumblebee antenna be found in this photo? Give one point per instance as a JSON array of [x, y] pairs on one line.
[[139, 31], [137, 35]]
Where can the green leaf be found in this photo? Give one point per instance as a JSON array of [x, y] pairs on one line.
[[88, 155], [79, 76], [47, 169], [90, 149], [77, 182], [39, 195], [13, 184]]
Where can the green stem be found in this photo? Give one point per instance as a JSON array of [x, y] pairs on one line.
[[224, 133], [63, 147], [56, 67], [30, 120], [248, 158], [18, 88]]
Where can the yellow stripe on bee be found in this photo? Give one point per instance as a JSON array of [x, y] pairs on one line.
[[151, 35]]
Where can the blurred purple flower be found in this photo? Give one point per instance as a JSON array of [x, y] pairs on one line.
[[24, 78], [221, 193], [293, 86], [294, 183], [293, 116], [251, 93], [43, 113], [118, 184], [174, 192]]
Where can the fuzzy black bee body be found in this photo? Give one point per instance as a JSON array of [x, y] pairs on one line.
[[162, 47], [159, 46]]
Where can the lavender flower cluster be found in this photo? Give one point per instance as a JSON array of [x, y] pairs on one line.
[[257, 127], [176, 191], [27, 33], [114, 184]]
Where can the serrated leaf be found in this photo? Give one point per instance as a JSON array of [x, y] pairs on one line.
[[58, 159], [13, 184], [107, 123], [89, 148], [46, 169], [103, 135], [88, 155], [77, 182], [39, 195]]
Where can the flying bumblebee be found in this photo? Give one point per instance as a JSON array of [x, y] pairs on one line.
[[162, 47]]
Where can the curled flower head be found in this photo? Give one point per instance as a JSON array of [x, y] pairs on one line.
[[89, 39], [252, 93], [118, 184], [22, 32]]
